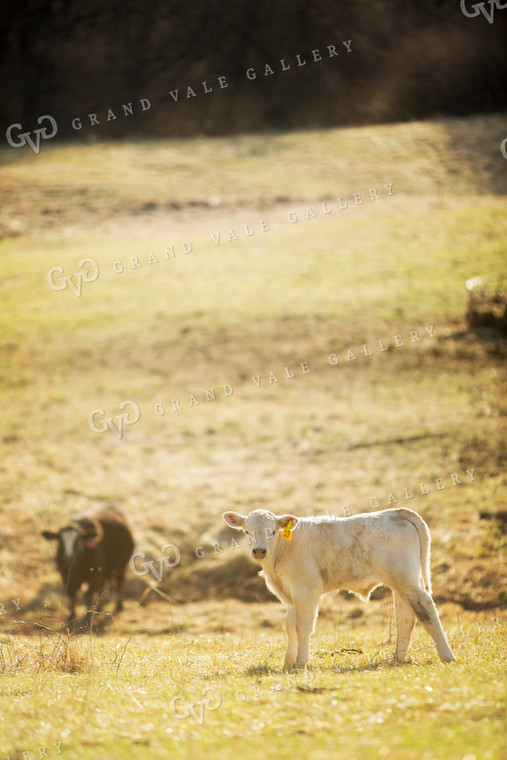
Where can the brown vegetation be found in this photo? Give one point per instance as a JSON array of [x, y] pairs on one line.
[[409, 59]]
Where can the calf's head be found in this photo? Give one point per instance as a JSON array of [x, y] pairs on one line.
[[260, 526]]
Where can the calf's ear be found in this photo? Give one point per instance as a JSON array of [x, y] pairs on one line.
[[49, 535], [234, 520], [283, 521]]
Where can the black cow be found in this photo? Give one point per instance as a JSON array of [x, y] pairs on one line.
[[93, 549]]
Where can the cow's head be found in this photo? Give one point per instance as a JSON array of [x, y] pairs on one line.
[[76, 537], [260, 527]]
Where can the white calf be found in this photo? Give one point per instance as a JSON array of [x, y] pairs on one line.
[[316, 555]]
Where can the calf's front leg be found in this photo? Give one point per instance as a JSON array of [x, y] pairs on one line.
[[292, 644], [306, 613]]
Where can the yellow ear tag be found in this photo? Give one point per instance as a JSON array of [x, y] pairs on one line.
[[287, 533]]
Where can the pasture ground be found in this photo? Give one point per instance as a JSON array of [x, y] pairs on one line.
[[392, 427]]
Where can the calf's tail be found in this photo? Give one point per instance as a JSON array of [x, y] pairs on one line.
[[425, 539]]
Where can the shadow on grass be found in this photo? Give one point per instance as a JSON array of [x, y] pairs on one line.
[[98, 624], [261, 670], [375, 665], [266, 670], [485, 334], [177, 628], [389, 441]]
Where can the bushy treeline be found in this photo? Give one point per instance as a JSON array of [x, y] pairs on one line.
[[408, 59]]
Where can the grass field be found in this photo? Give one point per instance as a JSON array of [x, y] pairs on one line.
[[286, 328]]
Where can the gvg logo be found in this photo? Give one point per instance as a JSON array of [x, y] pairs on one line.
[[123, 419], [163, 562], [24, 137], [196, 709], [480, 8], [87, 275]]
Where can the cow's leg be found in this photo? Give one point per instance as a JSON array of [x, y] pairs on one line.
[[95, 589], [88, 599], [306, 605], [426, 612], [292, 645], [72, 589], [120, 582], [405, 621], [72, 613]]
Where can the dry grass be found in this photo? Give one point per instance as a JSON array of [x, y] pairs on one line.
[[225, 692]]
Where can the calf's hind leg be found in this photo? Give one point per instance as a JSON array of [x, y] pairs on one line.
[[405, 621], [426, 612]]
